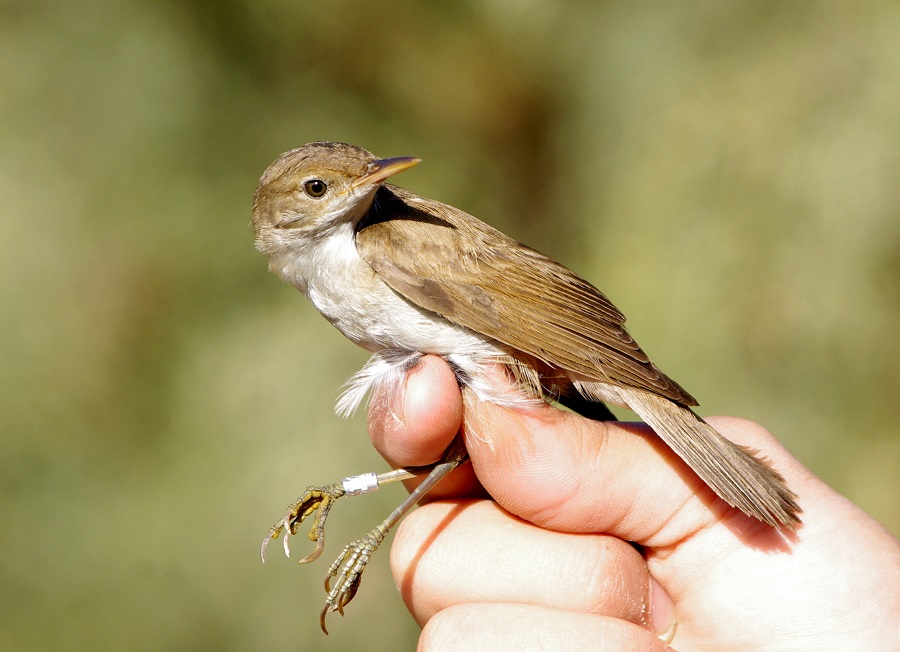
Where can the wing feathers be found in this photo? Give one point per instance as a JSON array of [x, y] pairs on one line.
[[502, 289], [448, 262]]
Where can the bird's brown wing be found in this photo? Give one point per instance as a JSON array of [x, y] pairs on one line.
[[447, 261]]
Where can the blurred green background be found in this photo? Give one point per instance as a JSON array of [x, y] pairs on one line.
[[727, 172]]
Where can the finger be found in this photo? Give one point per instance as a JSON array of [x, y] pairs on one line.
[[457, 552], [415, 426], [523, 627]]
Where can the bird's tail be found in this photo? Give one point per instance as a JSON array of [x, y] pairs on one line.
[[739, 476]]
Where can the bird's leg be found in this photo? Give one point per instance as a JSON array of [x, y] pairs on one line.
[[319, 500], [352, 561]]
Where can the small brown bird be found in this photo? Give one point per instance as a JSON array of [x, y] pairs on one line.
[[401, 275]]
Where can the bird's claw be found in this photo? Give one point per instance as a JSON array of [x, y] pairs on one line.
[[316, 500], [348, 569]]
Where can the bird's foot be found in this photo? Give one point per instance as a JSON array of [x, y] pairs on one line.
[[348, 569], [316, 500]]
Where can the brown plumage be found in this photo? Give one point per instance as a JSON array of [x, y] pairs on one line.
[[477, 277], [396, 272]]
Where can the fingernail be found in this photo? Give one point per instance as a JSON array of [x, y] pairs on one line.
[[400, 393], [662, 612]]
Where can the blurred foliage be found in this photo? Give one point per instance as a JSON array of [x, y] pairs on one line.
[[729, 173]]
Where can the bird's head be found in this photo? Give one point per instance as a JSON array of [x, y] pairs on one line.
[[311, 190]]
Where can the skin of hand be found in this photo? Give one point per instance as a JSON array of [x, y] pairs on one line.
[[546, 564]]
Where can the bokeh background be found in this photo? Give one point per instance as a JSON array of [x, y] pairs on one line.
[[729, 173]]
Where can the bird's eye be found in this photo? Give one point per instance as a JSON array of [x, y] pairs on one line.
[[315, 188]]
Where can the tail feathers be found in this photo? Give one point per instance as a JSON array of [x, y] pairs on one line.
[[736, 474]]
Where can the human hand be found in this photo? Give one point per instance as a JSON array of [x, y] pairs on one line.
[[548, 565]]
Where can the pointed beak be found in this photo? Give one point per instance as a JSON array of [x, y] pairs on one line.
[[382, 168]]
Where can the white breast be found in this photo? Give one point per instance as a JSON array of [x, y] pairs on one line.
[[349, 294]]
